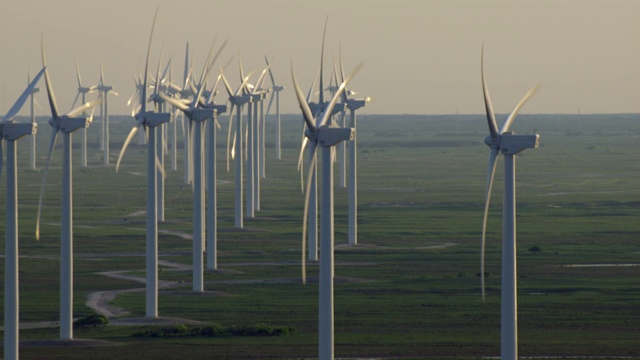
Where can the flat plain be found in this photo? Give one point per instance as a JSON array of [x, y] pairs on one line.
[[409, 289]]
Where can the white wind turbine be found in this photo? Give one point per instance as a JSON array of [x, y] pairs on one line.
[[254, 146], [104, 90], [352, 105], [66, 124], [276, 89], [320, 133], [151, 121], [81, 95], [197, 116], [237, 100], [509, 144], [32, 113], [12, 132], [159, 108]]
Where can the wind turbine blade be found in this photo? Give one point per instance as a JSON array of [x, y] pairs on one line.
[[205, 74], [491, 171], [226, 83], [244, 83], [175, 102], [344, 94], [313, 85], [305, 219], [329, 108], [52, 144], [78, 74], [261, 79], [512, 116], [75, 100], [132, 133], [15, 109], [156, 88], [50, 94], [143, 97], [273, 81], [491, 117], [271, 97], [83, 107], [304, 106], [324, 34], [305, 140], [101, 71], [229, 150]]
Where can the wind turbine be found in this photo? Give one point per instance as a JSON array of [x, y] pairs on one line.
[[198, 116], [320, 133], [12, 132], [237, 100], [151, 121], [104, 113], [81, 95], [352, 105], [509, 144], [32, 113], [66, 124], [276, 90], [254, 153], [159, 108]]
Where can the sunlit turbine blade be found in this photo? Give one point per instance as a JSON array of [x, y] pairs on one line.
[[132, 133], [51, 95], [83, 107], [329, 108], [491, 117], [304, 106], [512, 116], [230, 150], [491, 171]]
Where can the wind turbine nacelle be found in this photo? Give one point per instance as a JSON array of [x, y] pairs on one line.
[[153, 119], [201, 114], [511, 144], [240, 100], [14, 131], [256, 97], [68, 124], [219, 109], [354, 104], [278, 88], [328, 136]]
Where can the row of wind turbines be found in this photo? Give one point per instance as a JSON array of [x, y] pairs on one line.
[[323, 128]]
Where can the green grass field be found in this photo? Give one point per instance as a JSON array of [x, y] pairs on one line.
[[410, 289]]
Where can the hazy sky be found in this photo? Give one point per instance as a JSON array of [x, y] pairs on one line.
[[421, 57]]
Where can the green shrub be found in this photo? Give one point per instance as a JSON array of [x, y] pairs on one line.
[[91, 321]]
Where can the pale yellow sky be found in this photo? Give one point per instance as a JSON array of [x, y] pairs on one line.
[[421, 57]]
